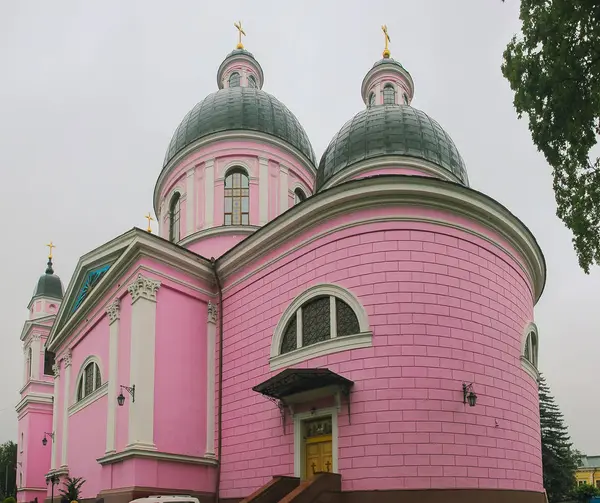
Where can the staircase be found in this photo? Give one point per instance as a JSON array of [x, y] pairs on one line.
[[323, 488]]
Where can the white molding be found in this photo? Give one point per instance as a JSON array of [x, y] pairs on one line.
[[113, 310], [333, 345], [55, 413], [211, 331], [113, 362], [38, 383], [220, 175], [327, 347], [391, 162], [530, 366], [36, 349], [298, 437], [300, 185], [88, 400], [284, 202], [72, 400], [209, 193], [33, 398], [190, 212], [132, 452], [66, 402], [393, 192], [384, 69], [143, 288], [216, 231], [263, 190]]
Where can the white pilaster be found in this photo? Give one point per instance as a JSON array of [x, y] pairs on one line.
[[211, 330], [56, 370], [113, 312], [143, 347], [263, 190], [283, 189], [65, 415], [36, 349], [209, 193], [190, 211]]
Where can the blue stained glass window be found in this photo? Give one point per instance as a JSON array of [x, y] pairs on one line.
[[91, 280]]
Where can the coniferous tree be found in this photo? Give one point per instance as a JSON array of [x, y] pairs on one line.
[[559, 459]]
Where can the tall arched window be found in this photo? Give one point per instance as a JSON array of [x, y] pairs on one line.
[[389, 95], [89, 381], [234, 80], [405, 99], [371, 99], [174, 212], [29, 363], [49, 358], [299, 196], [237, 197], [530, 351], [251, 81]]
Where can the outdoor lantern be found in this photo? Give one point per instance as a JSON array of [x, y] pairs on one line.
[[469, 395], [45, 439], [121, 397]]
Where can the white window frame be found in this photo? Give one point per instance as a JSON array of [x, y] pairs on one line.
[[530, 366], [363, 339], [81, 378]]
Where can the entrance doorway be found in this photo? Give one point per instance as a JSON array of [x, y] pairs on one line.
[[318, 446]]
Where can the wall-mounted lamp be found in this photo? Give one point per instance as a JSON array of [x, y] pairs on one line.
[[469, 395], [121, 397], [45, 439]]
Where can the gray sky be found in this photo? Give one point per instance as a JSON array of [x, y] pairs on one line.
[[90, 93]]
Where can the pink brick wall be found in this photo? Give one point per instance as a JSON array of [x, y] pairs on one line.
[[445, 307]]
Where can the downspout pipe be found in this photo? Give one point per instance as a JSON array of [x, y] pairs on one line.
[[213, 264]]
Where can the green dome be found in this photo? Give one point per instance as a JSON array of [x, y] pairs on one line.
[[240, 108], [388, 130], [49, 285]]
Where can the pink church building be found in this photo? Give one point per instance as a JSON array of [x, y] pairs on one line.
[[348, 330]]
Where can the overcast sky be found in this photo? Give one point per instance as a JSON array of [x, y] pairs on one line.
[[90, 93]]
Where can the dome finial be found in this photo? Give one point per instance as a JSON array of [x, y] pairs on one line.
[[241, 32], [386, 51], [150, 219], [49, 269]]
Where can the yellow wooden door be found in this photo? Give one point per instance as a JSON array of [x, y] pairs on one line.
[[318, 455]]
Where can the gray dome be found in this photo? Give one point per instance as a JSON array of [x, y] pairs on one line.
[[49, 285], [240, 108], [386, 130]]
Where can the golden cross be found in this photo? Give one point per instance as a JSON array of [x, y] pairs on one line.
[[50, 245], [150, 219], [241, 32], [386, 51]]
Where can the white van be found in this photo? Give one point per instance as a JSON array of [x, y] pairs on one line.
[[167, 499]]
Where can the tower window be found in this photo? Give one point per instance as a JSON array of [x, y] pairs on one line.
[[389, 95], [48, 362], [174, 212], [299, 196], [237, 197], [405, 99], [371, 99], [251, 81], [234, 80], [29, 363]]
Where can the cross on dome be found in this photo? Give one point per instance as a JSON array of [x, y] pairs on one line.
[[241, 32]]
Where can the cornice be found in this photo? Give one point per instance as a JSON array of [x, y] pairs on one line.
[[218, 231], [236, 134], [31, 324], [131, 452], [36, 381], [128, 248], [395, 190], [34, 398]]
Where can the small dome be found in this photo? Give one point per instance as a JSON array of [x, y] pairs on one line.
[[240, 108], [386, 130], [49, 285]]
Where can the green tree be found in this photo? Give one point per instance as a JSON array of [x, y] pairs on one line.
[[585, 492], [559, 459], [554, 70], [8, 463], [72, 488]]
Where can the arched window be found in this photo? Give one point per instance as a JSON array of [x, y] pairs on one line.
[[48, 362], [89, 381], [371, 99], [29, 363], [405, 99], [322, 320], [299, 196], [530, 351], [389, 95], [174, 212], [237, 197], [234, 80], [251, 81]]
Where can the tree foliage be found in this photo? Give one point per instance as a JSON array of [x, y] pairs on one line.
[[554, 70], [8, 464], [72, 488], [585, 492], [559, 459]]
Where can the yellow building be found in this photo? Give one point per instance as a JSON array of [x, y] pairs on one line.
[[589, 471]]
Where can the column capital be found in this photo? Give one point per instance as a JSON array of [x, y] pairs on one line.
[[263, 160], [56, 370], [36, 337], [191, 171], [212, 312], [209, 163], [113, 309], [67, 358], [143, 288]]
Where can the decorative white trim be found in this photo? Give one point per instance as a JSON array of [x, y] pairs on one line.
[[211, 331], [190, 211], [88, 400], [299, 454], [212, 313], [131, 452], [220, 230], [36, 348], [428, 168], [302, 187], [263, 190], [530, 366], [65, 415], [56, 368], [393, 192], [31, 398], [209, 193], [333, 345], [384, 69], [72, 400], [113, 310], [284, 202], [113, 362], [222, 172], [143, 288], [36, 382]]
